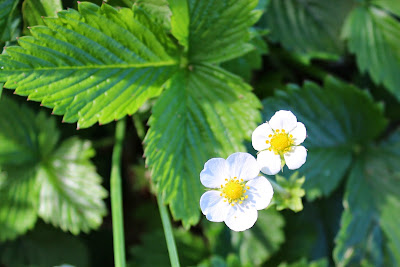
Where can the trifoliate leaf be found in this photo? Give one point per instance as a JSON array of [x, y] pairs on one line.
[[43, 247], [373, 37], [338, 121], [291, 199], [34, 10], [7, 8], [205, 112], [308, 27], [214, 31], [70, 181], [98, 64], [371, 204], [261, 241]]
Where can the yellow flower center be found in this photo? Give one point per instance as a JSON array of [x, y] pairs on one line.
[[280, 141], [234, 191]]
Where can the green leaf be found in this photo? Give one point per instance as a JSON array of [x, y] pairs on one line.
[[159, 11], [7, 8], [292, 199], [214, 31], [70, 181], [25, 139], [388, 5], [373, 37], [311, 26], [98, 64], [259, 243], [204, 113], [43, 247], [34, 10], [18, 202], [338, 121], [246, 64], [371, 200]]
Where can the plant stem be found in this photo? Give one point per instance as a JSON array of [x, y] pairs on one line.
[[277, 188], [169, 235], [116, 197]]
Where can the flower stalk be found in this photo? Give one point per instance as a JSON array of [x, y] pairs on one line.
[[116, 197]]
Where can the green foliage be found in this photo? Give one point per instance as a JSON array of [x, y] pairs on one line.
[[371, 201], [98, 64], [159, 10], [44, 247], [338, 124], [33, 10], [204, 112], [257, 244], [303, 263], [60, 185], [7, 10], [372, 35], [191, 249], [291, 199], [309, 27]]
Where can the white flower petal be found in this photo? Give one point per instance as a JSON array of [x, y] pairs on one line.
[[260, 135], [260, 192], [213, 206], [283, 119], [214, 173], [296, 157], [241, 218], [269, 162], [299, 133], [243, 166]]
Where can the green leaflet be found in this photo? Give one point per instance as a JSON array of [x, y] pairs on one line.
[[98, 64], [7, 8], [371, 204], [338, 120], [33, 10], [214, 31], [59, 185], [70, 180], [205, 112], [311, 27], [373, 37]]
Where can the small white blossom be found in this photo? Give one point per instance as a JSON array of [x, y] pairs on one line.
[[238, 191], [278, 140]]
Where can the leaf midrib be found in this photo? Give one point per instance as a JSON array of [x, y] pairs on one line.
[[112, 66]]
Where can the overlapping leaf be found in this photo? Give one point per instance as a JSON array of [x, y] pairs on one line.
[[98, 64], [311, 26], [60, 185], [373, 36], [71, 195], [338, 121], [205, 112], [371, 204], [214, 31], [6, 10], [34, 10]]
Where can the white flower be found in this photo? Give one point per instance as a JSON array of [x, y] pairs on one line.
[[279, 141], [239, 191]]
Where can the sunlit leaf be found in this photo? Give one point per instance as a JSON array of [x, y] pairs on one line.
[[338, 121], [95, 65], [204, 112], [34, 10], [71, 195]]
